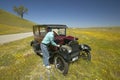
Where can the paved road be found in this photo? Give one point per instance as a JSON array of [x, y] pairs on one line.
[[13, 37]]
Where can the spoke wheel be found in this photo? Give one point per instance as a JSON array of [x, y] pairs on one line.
[[61, 65], [85, 55], [38, 52]]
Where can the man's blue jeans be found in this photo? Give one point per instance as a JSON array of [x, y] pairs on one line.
[[46, 56]]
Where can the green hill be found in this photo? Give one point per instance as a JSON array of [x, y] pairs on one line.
[[10, 23]]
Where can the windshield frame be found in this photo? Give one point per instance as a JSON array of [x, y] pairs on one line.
[[59, 31]]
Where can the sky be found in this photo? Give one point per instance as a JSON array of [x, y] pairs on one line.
[[73, 13]]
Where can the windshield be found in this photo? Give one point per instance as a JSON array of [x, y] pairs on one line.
[[39, 31], [60, 31]]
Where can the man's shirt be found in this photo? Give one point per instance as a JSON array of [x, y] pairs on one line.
[[49, 38]]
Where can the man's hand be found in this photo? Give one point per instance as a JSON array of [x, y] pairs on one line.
[[58, 45]]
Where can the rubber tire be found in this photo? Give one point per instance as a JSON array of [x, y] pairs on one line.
[[34, 49], [86, 55], [63, 69]]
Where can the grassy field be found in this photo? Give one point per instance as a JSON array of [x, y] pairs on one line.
[[18, 61], [10, 23]]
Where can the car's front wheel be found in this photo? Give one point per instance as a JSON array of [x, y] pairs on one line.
[[61, 65], [85, 55]]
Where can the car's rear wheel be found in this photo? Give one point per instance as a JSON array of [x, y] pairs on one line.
[[36, 48], [61, 65], [85, 55]]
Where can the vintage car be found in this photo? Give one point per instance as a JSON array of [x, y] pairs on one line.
[[69, 51]]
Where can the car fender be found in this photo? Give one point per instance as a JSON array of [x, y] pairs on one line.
[[31, 43], [64, 52], [84, 47]]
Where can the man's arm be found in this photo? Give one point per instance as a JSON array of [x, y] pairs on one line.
[[52, 41]]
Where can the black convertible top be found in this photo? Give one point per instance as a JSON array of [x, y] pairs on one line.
[[51, 25]]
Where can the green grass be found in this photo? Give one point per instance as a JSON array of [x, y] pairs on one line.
[[10, 23], [18, 62]]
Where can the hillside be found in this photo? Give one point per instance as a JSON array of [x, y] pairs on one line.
[[10, 23], [21, 63]]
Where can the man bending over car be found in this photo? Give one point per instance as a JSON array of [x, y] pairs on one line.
[[47, 40]]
